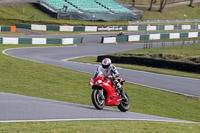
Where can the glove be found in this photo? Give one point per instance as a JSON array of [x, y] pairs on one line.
[[119, 85]]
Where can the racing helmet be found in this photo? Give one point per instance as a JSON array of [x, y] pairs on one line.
[[106, 63]]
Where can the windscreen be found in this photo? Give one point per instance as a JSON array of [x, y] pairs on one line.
[[97, 73]]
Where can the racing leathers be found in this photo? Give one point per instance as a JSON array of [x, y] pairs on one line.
[[112, 73]]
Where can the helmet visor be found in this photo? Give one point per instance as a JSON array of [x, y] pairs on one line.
[[105, 66]]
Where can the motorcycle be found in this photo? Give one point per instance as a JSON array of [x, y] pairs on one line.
[[104, 93]]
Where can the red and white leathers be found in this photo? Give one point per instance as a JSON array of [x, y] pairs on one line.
[[111, 72]]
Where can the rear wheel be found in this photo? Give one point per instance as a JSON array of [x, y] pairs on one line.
[[97, 100], [124, 104]]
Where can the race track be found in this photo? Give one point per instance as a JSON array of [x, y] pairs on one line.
[[18, 108], [35, 109]]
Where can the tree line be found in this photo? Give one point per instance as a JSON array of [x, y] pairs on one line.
[[162, 4]]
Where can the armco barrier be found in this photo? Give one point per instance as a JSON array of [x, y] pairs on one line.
[[157, 36], [7, 28], [107, 28], [181, 66], [70, 28], [162, 27], [23, 26], [15, 40]]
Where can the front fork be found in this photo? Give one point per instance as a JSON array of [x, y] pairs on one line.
[[101, 94], [121, 93]]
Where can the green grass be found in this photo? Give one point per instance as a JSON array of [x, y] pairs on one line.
[[35, 79], [189, 53], [99, 126], [9, 15], [147, 2], [185, 50], [50, 82], [172, 13]]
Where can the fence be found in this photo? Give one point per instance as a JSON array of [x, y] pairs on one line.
[[158, 36], [70, 28], [7, 28], [107, 28], [15, 40]]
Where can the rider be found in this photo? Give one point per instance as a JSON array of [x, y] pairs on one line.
[[110, 72], [121, 33]]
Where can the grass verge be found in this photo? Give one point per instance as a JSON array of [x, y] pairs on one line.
[[183, 53], [99, 126], [173, 13]]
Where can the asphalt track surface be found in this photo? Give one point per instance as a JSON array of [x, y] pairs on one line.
[[21, 108]]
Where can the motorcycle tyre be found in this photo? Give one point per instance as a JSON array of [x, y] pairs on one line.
[[123, 108], [94, 100]]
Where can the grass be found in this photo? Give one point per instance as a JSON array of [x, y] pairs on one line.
[[189, 53], [99, 126], [35, 79], [22, 11], [185, 50], [147, 2], [50, 82], [9, 14], [172, 13]]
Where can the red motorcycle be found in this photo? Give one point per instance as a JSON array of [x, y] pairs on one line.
[[104, 93]]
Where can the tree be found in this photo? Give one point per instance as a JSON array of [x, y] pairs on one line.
[[162, 5], [191, 2], [133, 3], [151, 4]]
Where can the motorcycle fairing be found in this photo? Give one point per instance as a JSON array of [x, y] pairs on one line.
[[112, 97]]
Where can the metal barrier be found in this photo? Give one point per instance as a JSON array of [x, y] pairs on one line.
[[153, 36], [7, 28], [45, 41]]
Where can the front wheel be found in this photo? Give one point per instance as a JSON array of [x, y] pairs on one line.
[[124, 104], [97, 100]]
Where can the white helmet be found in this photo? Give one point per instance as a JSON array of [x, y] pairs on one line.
[[106, 63]]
